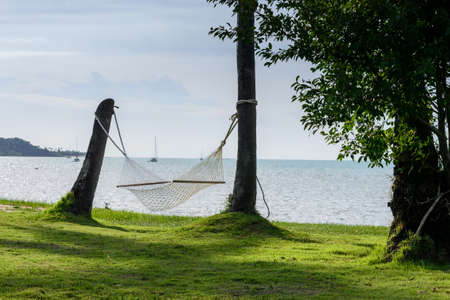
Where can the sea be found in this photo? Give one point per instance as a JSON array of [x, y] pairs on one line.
[[304, 191]]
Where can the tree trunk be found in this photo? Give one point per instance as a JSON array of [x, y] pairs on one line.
[[86, 183], [417, 179], [244, 191], [416, 185]]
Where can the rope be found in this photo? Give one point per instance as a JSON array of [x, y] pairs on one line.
[[110, 138], [234, 121], [264, 197], [118, 131], [248, 101]]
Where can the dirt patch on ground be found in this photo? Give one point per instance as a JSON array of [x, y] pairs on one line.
[[11, 208], [7, 208]]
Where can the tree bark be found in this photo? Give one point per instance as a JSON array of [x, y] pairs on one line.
[[244, 191], [86, 183], [416, 185]]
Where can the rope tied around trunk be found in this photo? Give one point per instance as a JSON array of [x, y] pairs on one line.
[[122, 150], [170, 193], [246, 101]]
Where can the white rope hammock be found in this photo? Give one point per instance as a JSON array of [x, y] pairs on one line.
[[159, 194]]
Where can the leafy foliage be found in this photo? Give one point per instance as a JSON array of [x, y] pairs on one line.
[[377, 66], [380, 88]]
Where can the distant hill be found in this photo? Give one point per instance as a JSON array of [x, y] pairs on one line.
[[19, 147]]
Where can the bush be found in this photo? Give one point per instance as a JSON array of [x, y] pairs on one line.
[[65, 204]]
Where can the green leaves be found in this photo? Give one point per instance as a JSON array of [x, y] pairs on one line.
[[224, 32], [375, 65], [374, 61]]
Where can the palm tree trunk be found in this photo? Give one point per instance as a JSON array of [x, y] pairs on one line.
[[244, 192], [86, 183]]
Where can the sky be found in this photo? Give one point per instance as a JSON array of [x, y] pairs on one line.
[[60, 58]]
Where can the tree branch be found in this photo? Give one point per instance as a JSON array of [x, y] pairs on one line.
[[434, 129], [439, 197]]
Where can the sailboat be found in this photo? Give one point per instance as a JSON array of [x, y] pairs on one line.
[[155, 157], [76, 159]]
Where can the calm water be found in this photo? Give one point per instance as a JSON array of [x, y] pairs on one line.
[[296, 190]]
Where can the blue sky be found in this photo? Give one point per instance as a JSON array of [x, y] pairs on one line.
[[59, 59]]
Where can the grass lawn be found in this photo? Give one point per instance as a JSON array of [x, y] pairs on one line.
[[123, 255]]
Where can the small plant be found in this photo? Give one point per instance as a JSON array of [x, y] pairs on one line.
[[65, 204], [62, 211], [415, 248], [228, 202]]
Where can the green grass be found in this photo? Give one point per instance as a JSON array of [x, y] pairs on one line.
[[123, 255]]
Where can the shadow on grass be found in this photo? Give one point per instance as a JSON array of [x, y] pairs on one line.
[[52, 216], [193, 275], [231, 233], [367, 245], [171, 263], [93, 244]]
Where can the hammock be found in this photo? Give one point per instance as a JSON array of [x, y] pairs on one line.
[[159, 194]]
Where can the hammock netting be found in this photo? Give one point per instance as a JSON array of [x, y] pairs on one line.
[[159, 194]]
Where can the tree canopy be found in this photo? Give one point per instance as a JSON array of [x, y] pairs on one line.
[[380, 90], [375, 61]]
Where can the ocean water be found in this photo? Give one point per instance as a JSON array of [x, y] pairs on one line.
[[296, 190]]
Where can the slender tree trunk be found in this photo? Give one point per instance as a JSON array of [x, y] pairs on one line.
[[443, 118], [244, 192], [86, 183]]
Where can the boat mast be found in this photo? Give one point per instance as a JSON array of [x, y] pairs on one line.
[[156, 151]]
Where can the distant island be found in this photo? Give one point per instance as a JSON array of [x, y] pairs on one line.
[[20, 147]]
